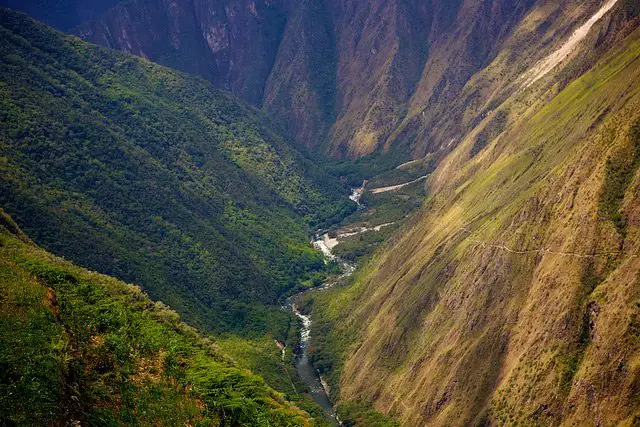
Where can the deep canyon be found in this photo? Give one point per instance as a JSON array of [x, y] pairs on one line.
[[309, 213]]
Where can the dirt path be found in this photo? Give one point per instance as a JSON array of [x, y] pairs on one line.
[[395, 187], [410, 162], [484, 244], [543, 67]]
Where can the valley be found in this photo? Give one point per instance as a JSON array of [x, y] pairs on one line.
[[317, 384], [225, 213]]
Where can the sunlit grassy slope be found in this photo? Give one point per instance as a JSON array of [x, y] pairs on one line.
[[80, 346], [154, 176], [514, 297]]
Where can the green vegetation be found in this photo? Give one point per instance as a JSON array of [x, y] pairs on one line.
[[331, 340], [387, 209], [488, 299], [491, 131], [619, 172], [384, 208], [153, 176], [330, 349], [263, 357], [353, 172], [77, 345], [353, 248], [406, 172], [359, 414]]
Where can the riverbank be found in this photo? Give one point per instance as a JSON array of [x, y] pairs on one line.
[[368, 224], [307, 373]]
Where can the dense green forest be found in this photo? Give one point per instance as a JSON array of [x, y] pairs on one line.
[[81, 347], [154, 176]]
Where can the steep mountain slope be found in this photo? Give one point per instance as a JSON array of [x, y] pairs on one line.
[[444, 108], [155, 177], [231, 43], [513, 297], [80, 348], [301, 88], [353, 78]]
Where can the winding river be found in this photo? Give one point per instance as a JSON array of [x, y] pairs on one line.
[[318, 388]]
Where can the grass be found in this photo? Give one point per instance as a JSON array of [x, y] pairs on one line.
[[77, 345], [444, 313], [620, 169], [490, 132], [363, 245], [390, 209], [363, 414]]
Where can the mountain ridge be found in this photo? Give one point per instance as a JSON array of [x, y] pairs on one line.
[[504, 287], [383, 70]]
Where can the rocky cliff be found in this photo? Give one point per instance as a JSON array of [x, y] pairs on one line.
[[351, 77], [231, 43]]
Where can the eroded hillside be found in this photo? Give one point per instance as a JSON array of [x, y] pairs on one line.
[[513, 296], [353, 78]]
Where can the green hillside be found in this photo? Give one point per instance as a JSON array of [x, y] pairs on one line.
[[81, 347], [155, 177], [485, 273], [513, 297]]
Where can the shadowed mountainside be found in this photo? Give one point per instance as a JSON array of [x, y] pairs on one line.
[[61, 14], [352, 78]]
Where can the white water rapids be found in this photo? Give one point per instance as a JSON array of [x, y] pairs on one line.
[[356, 194], [318, 387]]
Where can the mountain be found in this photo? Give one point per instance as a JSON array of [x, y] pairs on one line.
[[79, 348], [500, 143], [233, 44], [512, 297], [352, 78], [157, 178], [269, 53]]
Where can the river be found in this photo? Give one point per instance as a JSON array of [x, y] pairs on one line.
[[318, 388]]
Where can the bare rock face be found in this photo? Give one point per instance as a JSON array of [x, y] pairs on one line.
[[231, 43], [349, 77], [301, 88]]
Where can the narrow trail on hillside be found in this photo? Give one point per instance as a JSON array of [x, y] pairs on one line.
[[409, 163], [396, 187], [547, 64], [544, 251]]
